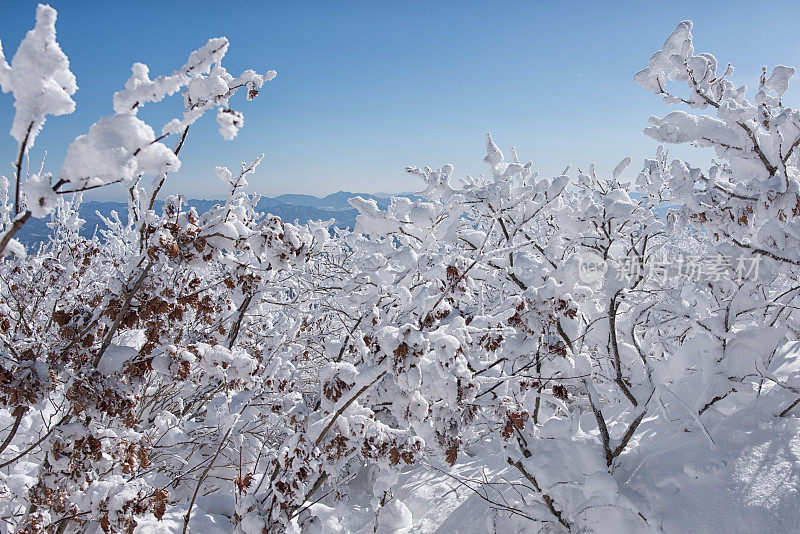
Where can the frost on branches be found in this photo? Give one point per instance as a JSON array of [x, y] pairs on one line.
[[447, 365]]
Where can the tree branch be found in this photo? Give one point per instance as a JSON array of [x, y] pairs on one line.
[[19, 413], [129, 293], [23, 148], [548, 501]]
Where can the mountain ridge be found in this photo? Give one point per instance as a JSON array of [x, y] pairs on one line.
[[290, 207]]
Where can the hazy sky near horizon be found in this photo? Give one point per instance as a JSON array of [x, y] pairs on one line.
[[366, 88]]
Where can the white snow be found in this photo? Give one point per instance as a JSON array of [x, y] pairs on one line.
[[39, 77]]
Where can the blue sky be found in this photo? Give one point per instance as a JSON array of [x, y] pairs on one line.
[[366, 88]]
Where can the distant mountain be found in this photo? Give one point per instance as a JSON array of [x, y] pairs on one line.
[[292, 199], [334, 201], [289, 207], [390, 195]]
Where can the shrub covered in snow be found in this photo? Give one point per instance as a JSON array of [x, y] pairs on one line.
[[446, 365]]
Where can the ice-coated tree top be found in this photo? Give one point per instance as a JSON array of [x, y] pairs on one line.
[[39, 77]]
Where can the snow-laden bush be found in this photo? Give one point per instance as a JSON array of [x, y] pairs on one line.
[[226, 370]]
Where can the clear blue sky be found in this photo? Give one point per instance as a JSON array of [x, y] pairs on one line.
[[366, 88]]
